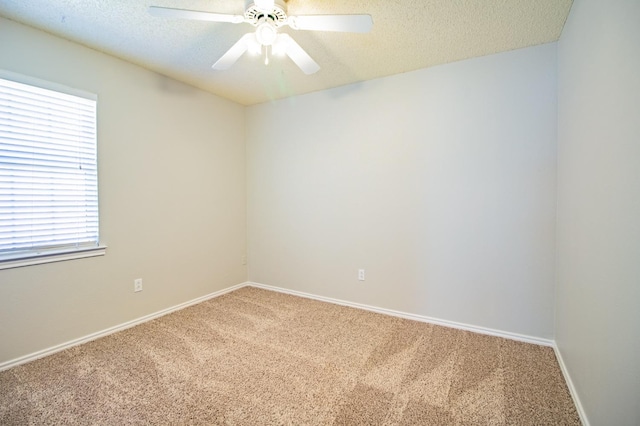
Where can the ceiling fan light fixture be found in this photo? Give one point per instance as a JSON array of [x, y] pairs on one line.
[[266, 33]]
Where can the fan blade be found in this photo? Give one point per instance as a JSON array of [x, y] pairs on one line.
[[234, 53], [167, 12], [342, 23], [297, 54]]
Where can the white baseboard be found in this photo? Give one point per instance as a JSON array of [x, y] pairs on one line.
[[482, 330], [421, 318], [572, 389], [451, 324], [57, 348]]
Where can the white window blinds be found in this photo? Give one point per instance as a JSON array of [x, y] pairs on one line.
[[48, 171]]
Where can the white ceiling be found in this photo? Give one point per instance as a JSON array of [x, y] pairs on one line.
[[407, 35]]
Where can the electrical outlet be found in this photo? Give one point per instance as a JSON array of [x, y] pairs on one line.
[[244, 259], [137, 284], [361, 274]]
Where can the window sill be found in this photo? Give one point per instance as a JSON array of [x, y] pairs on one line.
[[60, 256]]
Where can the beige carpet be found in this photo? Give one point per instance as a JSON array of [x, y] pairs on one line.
[[256, 357]]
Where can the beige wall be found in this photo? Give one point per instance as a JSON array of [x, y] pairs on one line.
[[598, 290], [440, 183], [172, 199]]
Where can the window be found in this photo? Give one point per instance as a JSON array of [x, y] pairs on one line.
[[48, 173]]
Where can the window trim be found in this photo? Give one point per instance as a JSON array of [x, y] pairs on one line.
[[48, 255], [45, 84], [53, 256]]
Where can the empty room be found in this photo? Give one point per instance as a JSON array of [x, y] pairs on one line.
[[320, 212]]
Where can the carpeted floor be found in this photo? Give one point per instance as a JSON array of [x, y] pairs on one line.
[[256, 357]]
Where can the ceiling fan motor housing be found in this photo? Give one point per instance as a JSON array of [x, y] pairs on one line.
[[256, 16]]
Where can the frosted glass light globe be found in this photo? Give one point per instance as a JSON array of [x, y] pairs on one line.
[[266, 33]]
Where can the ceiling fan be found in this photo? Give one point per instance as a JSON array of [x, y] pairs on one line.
[[267, 16]]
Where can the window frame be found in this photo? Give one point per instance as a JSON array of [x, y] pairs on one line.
[[70, 252]]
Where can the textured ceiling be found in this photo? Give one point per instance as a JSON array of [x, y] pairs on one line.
[[407, 35]]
